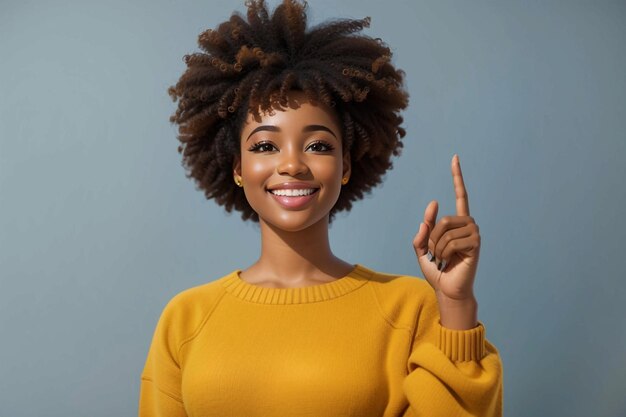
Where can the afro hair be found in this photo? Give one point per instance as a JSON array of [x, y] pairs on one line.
[[250, 65]]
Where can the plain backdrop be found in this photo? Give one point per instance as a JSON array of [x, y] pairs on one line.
[[99, 227]]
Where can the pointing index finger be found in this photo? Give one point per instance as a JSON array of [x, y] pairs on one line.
[[462, 203]]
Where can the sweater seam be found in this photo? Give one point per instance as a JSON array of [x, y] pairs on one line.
[[415, 328], [387, 319], [162, 391], [200, 326]]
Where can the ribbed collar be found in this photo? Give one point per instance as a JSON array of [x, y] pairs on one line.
[[302, 295]]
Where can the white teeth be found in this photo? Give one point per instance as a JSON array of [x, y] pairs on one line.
[[293, 193]]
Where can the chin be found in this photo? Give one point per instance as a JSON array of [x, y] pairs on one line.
[[293, 221]]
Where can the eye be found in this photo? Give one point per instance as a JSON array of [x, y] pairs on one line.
[[262, 147], [321, 146]]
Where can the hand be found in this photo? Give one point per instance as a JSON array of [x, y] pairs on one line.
[[454, 242]]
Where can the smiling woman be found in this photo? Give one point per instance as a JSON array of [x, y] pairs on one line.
[[289, 126], [251, 67]]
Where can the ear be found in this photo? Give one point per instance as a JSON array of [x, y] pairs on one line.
[[237, 166], [347, 165]]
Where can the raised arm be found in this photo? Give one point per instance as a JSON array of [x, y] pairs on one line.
[[453, 369]]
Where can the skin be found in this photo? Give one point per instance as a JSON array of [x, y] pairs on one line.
[[295, 248], [456, 240]]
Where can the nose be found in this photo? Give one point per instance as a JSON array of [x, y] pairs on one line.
[[291, 162]]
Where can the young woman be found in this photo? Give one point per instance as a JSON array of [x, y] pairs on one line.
[[289, 126]]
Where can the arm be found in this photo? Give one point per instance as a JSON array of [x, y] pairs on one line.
[[453, 369], [451, 372], [160, 393], [458, 314], [155, 403]]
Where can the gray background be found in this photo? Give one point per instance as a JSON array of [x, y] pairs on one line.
[[99, 227]]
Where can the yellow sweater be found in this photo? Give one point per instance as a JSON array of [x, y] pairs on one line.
[[367, 344]]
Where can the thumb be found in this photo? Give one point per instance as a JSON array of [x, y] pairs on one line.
[[420, 244], [420, 241]]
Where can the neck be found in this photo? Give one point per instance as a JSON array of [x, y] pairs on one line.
[[292, 256]]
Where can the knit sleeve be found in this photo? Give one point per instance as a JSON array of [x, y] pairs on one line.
[[160, 392], [451, 372]]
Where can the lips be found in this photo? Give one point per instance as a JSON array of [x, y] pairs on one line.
[[294, 202], [292, 185]]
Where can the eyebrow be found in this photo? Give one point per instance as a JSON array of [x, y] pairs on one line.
[[308, 128]]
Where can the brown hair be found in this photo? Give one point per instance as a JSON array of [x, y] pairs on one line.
[[251, 64]]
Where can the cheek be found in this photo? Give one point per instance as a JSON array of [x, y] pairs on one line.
[[327, 170], [256, 169], [260, 166]]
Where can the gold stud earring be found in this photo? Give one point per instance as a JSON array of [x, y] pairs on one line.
[[239, 181], [344, 180]]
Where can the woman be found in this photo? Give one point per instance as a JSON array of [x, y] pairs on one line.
[[290, 126]]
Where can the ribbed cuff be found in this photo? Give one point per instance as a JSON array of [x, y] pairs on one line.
[[463, 345]]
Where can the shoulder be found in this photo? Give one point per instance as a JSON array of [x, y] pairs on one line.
[[390, 284], [403, 297], [185, 312], [198, 297]]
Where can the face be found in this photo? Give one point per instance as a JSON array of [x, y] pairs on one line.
[[292, 164]]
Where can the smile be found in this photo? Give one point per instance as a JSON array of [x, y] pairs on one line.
[[293, 193], [292, 198]]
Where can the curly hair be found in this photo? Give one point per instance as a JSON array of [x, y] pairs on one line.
[[251, 64]]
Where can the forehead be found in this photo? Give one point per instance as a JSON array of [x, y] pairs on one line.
[[299, 112]]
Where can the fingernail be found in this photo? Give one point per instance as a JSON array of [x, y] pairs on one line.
[[443, 264], [430, 256]]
